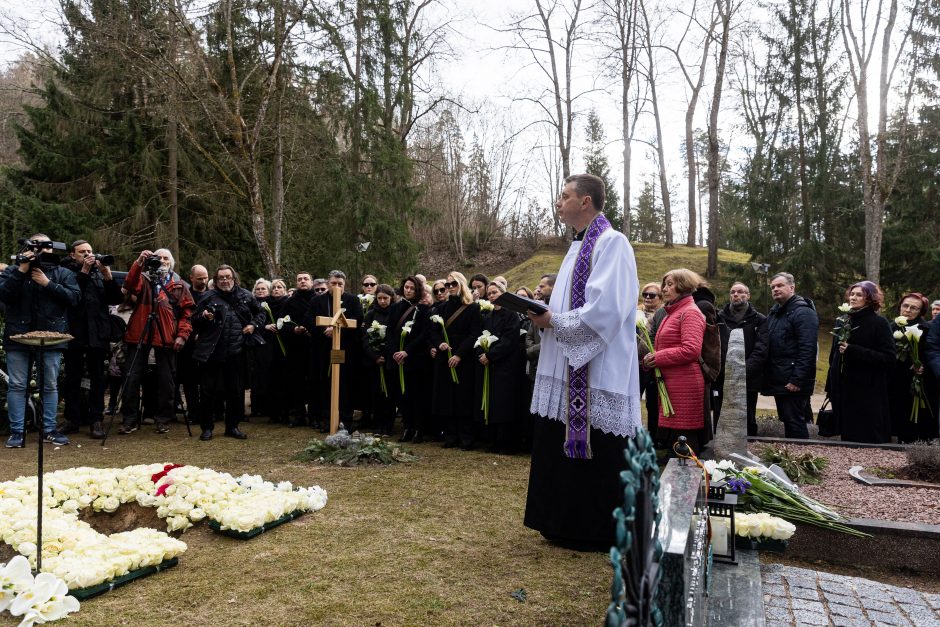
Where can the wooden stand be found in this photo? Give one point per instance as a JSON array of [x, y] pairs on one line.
[[337, 322]]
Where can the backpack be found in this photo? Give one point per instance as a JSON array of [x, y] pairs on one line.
[[710, 357]]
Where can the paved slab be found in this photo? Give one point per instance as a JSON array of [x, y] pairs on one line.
[[799, 596]]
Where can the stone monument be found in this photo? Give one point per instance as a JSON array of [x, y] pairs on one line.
[[731, 434]]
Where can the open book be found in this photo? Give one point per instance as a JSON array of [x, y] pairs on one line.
[[520, 304]]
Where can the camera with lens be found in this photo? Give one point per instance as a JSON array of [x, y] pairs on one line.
[[213, 308], [105, 260], [153, 263], [39, 258]]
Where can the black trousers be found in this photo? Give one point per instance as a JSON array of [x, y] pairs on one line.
[[187, 373], [77, 361], [222, 391], [136, 364], [792, 410]]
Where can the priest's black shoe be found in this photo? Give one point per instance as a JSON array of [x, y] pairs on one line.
[[235, 433], [206, 435]]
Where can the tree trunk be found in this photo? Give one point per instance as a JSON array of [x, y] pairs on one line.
[[714, 155]]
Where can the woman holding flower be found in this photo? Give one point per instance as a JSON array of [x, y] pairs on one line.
[[407, 332], [455, 327], [279, 400], [376, 371], [677, 347], [500, 355], [858, 367], [909, 381]]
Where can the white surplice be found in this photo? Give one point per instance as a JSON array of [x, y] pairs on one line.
[[601, 334]]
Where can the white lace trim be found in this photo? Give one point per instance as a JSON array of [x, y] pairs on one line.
[[610, 412], [578, 342]]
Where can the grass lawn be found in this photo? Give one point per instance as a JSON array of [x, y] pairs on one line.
[[437, 542]]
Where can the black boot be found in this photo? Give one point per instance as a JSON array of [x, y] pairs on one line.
[[407, 436], [96, 432]]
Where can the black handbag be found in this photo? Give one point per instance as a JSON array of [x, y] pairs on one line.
[[826, 420]]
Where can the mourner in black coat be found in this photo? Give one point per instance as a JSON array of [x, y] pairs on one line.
[[858, 369], [453, 402], [376, 363], [503, 361], [408, 356], [900, 395], [301, 381], [273, 378]]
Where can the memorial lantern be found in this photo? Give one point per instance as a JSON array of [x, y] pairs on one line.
[[720, 505]]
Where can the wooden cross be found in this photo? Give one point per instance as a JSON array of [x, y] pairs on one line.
[[337, 322]]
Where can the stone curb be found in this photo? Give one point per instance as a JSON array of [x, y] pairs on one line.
[[887, 447], [856, 472]]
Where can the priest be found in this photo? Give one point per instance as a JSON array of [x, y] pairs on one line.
[[586, 392]]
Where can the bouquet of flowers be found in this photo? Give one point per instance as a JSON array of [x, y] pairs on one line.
[[375, 335], [42, 599], [762, 526], [485, 306], [366, 301], [643, 331], [280, 342], [759, 490], [405, 330], [438, 320], [843, 330], [907, 342], [282, 322], [485, 341]]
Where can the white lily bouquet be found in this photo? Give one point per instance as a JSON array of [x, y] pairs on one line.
[[485, 306], [375, 335], [907, 342], [366, 301], [843, 330], [438, 320], [42, 599], [485, 341], [280, 342], [643, 330], [405, 331]]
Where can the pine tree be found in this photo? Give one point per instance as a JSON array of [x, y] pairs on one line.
[[596, 163]]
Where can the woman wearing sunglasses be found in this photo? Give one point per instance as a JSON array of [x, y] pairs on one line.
[[453, 401]]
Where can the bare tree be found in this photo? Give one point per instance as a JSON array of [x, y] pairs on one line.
[[694, 82], [869, 26]]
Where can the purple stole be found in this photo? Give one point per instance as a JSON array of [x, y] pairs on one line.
[[578, 424]]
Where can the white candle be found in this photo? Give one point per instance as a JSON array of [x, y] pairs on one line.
[[720, 530]]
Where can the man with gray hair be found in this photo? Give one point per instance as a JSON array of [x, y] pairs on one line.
[[322, 344], [790, 373]]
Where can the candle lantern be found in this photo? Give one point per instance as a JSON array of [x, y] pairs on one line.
[[721, 505]]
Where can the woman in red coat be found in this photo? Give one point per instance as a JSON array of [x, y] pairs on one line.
[[677, 349]]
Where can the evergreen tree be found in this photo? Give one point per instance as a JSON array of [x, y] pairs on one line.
[[596, 163], [648, 221]]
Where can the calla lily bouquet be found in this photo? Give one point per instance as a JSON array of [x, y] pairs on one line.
[[907, 342], [642, 330], [436, 319], [405, 331], [282, 321], [41, 600], [280, 342], [485, 306], [375, 335], [485, 341], [366, 301], [843, 330]]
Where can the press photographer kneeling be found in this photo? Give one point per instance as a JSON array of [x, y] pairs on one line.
[[225, 325], [37, 294]]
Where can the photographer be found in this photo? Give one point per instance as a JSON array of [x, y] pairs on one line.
[[90, 324], [161, 321], [225, 323], [37, 294]]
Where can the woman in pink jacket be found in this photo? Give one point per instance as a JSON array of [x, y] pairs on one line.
[[677, 348]]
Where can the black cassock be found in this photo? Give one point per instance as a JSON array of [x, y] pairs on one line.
[[858, 379], [321, 345], [454, 402]]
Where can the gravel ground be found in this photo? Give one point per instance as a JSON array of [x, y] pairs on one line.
[[856, 500]]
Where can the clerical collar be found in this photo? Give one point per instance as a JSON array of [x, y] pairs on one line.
[[579, 236]]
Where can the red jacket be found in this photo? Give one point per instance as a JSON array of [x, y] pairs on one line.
[[678, 346], [175, 307]]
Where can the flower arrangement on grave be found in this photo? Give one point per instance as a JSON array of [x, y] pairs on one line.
[[405, 331], [277, 334], [643, 330], [485, 341], [843, 330], [375, 335], [760, 490], [40, 599], [345, 449], [182, 495], [908, 348], [762, 531], [436, 319]]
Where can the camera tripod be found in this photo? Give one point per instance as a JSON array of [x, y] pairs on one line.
[[146, 339]]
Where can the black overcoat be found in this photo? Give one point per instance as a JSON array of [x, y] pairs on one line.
[[505, 358], [449, 398]]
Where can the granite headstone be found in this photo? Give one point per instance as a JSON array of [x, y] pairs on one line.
[[731, 435]]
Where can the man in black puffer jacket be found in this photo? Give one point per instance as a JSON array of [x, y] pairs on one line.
[[90, 324], [740, 314], [37, 296], [790, 374], [225, 322]]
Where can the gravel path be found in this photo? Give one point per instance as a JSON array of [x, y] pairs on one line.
[[855, 500]]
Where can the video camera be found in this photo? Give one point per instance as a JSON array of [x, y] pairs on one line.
[[39, 258]]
